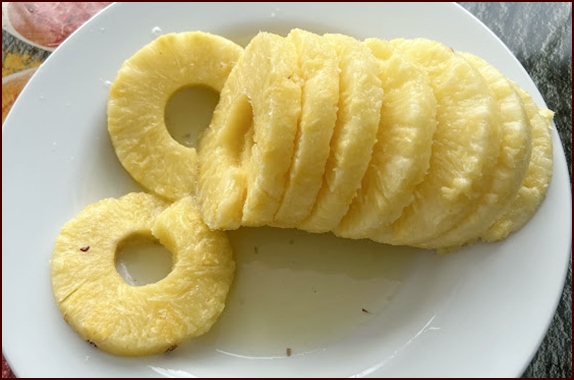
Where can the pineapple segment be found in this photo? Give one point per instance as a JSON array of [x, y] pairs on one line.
[[246, 153], [465, 147], [320, 95], [506, 178], [538, 174], [360, 100], [131, 321], [403, 148], [138, 97]]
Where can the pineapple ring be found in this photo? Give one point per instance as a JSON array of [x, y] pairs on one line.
[[403, 148], [132, 321], [246, 152], [139, 95], [360, 100], [319, 66], [538, 174], [507, 176], [466, 145]]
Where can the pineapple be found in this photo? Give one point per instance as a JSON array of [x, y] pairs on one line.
[[403, 148], [320, 95], [538, 174], [507, 176], [465, 146], [138, 97], [127, 320], [360, 100], [246, 152]]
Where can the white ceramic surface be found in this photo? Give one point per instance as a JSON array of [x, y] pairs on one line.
[[480, 312]]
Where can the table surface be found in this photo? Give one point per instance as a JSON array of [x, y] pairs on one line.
[[539, 35]]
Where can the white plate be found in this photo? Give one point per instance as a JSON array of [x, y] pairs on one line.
[[480, 312]]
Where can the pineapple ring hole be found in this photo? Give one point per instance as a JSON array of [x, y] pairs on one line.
[[188, 113], [240, 130], [142, 260]]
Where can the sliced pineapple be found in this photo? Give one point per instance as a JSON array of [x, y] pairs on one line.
[[538, 174], [360, 100], [138, 97], [506, 178], [403, 148], [246, 153], [127, 320], [320, 96], [465, 147]]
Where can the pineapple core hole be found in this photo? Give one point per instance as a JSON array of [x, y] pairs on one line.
[[188, 112], [142, 260], [239, 135]]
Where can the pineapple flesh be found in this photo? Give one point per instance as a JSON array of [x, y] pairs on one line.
[[132, 321], [403, 148], [538, 173], [506, 178], [137, 101], [320, 96], [359, 111], [465, 145], [245, 154]]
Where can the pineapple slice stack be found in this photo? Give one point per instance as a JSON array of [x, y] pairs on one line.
[[252, 137], [404, 142]]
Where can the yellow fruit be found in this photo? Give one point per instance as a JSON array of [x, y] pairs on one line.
[[360, 99], [138, 98], [246, 152], [403, 148], [465, 147], [506, 178], [538, 174], [127, 320], [320, 95]]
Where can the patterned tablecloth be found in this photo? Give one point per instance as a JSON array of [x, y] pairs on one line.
[[539, 34]]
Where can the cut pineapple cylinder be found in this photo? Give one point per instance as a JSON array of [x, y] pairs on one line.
[[127, 320], [138, 97], [506, 178], [465, 147], [320, 96], [538, 174], [403, 148], [246, 152], [360, 100]]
